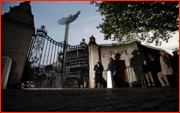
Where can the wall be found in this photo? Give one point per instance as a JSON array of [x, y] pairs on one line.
[[129, 53], [93, 56]]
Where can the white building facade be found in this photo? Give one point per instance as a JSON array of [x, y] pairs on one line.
[[128, 59]]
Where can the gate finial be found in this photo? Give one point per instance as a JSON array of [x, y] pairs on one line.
[[43, 26]]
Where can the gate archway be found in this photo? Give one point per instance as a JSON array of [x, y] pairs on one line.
[[45, 65]]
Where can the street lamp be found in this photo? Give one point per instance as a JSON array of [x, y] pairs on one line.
[[66, 21]]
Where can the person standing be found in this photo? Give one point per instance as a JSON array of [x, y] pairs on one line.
[[112, 68], [175, 64], [98, 68], [157, 68], [148, 73], [167, 69]]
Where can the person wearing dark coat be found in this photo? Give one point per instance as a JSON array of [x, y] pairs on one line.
[[175, 63], [157, 68], [147, 71], [98, 68]]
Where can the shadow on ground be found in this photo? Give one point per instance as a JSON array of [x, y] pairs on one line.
[[95, 100]]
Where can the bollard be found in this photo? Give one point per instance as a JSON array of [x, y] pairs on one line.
[[5, 69]]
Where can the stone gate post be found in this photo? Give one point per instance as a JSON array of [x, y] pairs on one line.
[[17, 28], [93, 56]]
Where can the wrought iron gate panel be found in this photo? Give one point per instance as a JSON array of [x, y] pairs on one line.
[[76, 67], [46, 57]]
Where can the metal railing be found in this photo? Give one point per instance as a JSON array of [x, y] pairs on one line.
[[75, 83], [48, 55], [135, 75]]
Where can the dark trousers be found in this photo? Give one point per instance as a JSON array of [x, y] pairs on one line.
[[172, 80], [96, 85], [115, 80]]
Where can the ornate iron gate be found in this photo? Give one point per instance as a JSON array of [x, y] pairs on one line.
[[45, 65], [76, 67]]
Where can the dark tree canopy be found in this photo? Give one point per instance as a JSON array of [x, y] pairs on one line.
[[147, 21]]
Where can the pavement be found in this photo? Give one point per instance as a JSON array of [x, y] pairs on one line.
[[156, 99]]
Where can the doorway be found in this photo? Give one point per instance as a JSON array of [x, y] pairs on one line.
[[121, 74]]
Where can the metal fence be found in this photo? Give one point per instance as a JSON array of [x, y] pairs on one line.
[[75, 83], [46, 57], [135, 76]]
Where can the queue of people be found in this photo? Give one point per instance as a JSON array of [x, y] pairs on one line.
[[164, 70]]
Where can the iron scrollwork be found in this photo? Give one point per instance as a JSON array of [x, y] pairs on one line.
[[47, 57]]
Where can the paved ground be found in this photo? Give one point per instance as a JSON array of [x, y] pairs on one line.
[[121, 99]]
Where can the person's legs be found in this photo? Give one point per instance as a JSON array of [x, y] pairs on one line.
[[96, 85], [171, 80], [177, 77], [100, 81], [117, 85], [174, 81], [151, 78], [115, 80], [166, 80], [147, 78], [160, 76]]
